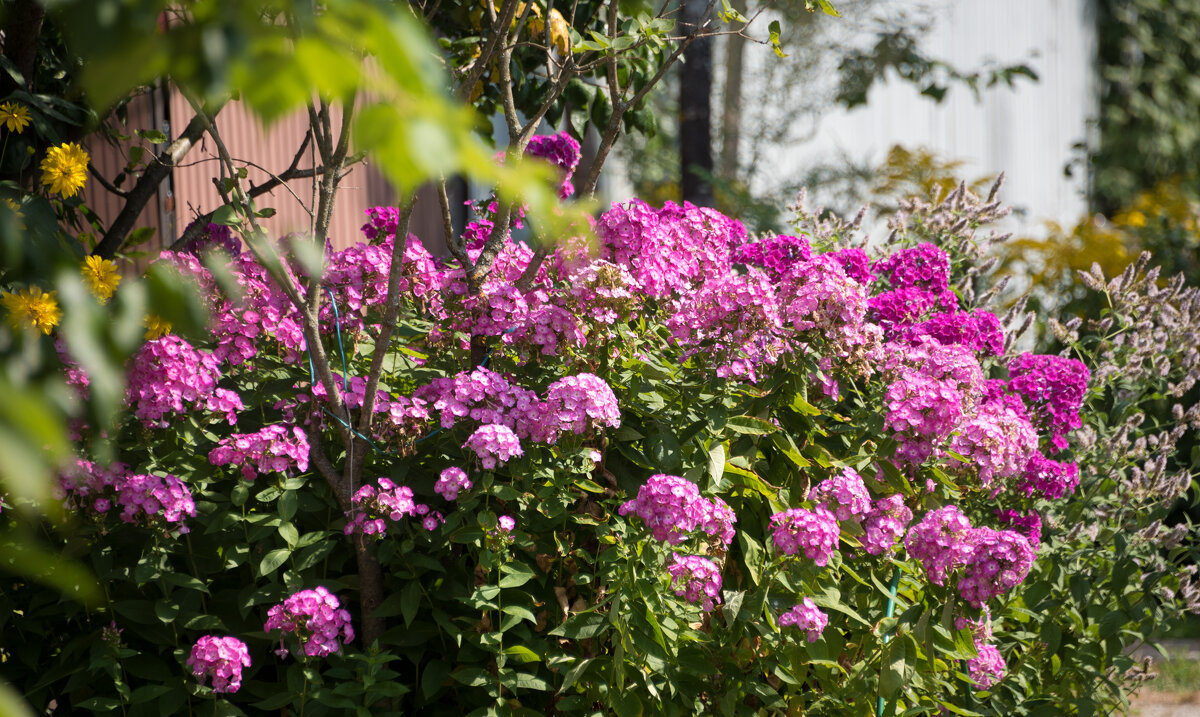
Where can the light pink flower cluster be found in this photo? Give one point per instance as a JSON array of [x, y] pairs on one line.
[[483, 396], [672, 508], [999, 560], [271, 449], [735, 319], [941, 541], [845, 495], [358, 275], [813, 531], [221, 659], [316, 618], [670, 250], [450, 482], [998, 441], [375, 504], [603, 292], [921, 411], [1053, 387], [818, 296], [494, 444], [168, 376], [807, 617], [87, 486], [885, 524], [150, 501], [696, 579], [578, 404]]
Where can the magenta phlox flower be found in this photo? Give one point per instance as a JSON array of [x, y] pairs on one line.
[[375, 505], [561, 150], [807, 617], [925, 267], [316, 618], [777, 255], [271, 449], [169, 376], [813, 531], [997, 441], [941, 541], [1053, 387], [1027, 523], [451, 482], [495, 444], [855, 263], [885, 523], [672, 508], [482, 396], [845, 495], [1047, 478], [696, 579], [152, 501], [222, 660], [578, 404], [978, 330], [997, 562]]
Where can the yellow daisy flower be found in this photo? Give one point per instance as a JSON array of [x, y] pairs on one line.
[[101, 277], [32, 307], [156, 326], [14, 116], [64, 170]]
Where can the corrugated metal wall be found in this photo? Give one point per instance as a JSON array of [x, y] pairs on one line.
[[1026, 132]]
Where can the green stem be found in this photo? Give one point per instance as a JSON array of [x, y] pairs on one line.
[[891, 610]]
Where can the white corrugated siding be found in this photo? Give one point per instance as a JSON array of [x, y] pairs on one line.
[[1026, 131]]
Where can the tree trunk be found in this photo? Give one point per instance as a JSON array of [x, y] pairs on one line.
[[695, 111], [731, 128]]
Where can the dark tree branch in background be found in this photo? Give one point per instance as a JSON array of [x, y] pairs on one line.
[[104, 182], [695, 110], [147, 186], [21, 35]]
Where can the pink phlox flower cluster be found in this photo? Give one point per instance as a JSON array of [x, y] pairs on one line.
[[400, 418], [495, 444], [736, 319], [432, 519], [988, 668], [1028, 524], [221, 659], [547, 328], [941, 541], [483, 396], [955, 364], [450, 482], [997, 441], [500, 536], [978, 330], [167, 375], [998, 561], [807, 617], [317, 619], [924, 267], [1048, 478], [578, 404], [885, 524], [845, 495], [602, 292], [561, 150], [777, 255], [89, 486], [374, 505], [672, 508], [668, 251], [505, 524], [813, 531], [382, 223], [214, 236], [264, 306], [151, 500], [921, 412], [1053, 387], [855, 263], [818, 296], [696, 579], [271, 449], [76, 376]]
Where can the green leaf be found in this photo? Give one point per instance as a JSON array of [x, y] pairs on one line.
[[515, 575], [290, 535], [287, 504], [410, 601], [892, 675], [750, 425], [271, 562], [582, 626], [520, 653]]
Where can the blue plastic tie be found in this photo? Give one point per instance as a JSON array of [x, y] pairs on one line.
[[891, 610]]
